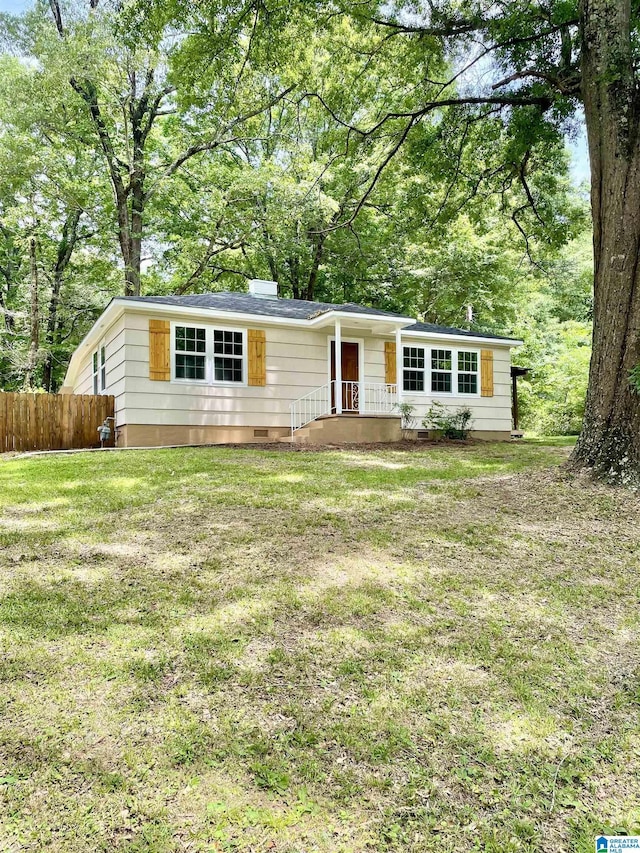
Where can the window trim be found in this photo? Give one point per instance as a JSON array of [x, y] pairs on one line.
[[209, 354], [95, 372], [102, 367], [204, 354], [452, 372], [475, 373], [243, 359], [428, 348]]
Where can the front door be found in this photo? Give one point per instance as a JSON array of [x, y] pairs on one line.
[[350, 376]]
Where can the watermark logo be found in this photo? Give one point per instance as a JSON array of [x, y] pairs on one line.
[[617, 843]]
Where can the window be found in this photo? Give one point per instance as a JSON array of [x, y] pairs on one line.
[[203, 354], [190, 353], [227, 356], [413, 369], [94, 371], [103, 368], [467, 372], [441, 369]]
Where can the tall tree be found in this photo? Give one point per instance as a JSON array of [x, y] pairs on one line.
[[52, 208], [533, 66], [128, 86]]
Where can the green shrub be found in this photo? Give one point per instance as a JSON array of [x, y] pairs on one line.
[[408, 417], [455, 425]]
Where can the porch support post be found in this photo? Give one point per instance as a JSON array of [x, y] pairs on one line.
[[338, 388], [399, 365]]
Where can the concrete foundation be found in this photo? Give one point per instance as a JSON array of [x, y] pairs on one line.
[[151, 435], [334, 429], [350, 429]]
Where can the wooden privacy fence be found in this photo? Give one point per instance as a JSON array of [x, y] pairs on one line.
[[53, 421]]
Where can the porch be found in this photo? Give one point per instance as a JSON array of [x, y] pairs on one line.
[[354, 387], [346, 398]]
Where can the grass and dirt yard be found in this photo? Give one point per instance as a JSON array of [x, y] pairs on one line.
[[223, 649]]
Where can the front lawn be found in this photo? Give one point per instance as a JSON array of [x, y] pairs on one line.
[[218, 649]]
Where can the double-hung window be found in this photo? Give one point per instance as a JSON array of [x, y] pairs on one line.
[[413, 369], [467, 372], [227, 356], [441, 370], [190, 353]]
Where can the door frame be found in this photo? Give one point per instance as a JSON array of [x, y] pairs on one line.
[[346, 340]]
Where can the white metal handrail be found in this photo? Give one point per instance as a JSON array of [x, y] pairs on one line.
[[378, 399], [310, 407], [365, 398]]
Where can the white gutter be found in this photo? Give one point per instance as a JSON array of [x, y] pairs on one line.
[[471, 339]]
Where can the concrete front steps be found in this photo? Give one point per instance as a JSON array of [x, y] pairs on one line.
[[348, 429]]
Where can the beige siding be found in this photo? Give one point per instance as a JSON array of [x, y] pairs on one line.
[[116, 367], [297, 362], [84, 384], [489, 413]]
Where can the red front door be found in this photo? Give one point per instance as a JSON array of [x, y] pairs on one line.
[[350, 376]]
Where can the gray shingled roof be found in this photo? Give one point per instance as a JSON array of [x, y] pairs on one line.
[[449, 330], [294, 309], [245, 303]]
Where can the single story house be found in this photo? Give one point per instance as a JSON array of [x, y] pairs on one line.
[[251, 367]]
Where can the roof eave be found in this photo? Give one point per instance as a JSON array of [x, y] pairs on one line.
[[201, 311], [114, 309], [317, 320], [476, 339], [332, 315]]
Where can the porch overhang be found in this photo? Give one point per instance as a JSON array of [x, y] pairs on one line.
[[372, 323]]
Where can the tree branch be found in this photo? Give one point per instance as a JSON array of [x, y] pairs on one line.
[[212, 144]]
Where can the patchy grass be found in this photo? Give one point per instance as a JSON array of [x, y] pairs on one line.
[[552, 440], [217, 650]]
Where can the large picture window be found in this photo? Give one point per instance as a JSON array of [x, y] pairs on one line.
[[227, 356], [190, 352], [441, 371]]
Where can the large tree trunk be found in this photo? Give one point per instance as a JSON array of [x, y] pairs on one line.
[[34, 317], [610, 439], [315, 264], [65, 250]]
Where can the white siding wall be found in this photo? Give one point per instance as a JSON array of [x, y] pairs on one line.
[[297, 362], [489, 413], [84, 383], [115, 351]]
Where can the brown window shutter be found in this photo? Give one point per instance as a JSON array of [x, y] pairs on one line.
[[257, 357], [390, 362], [486, 373], [159, 350]]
